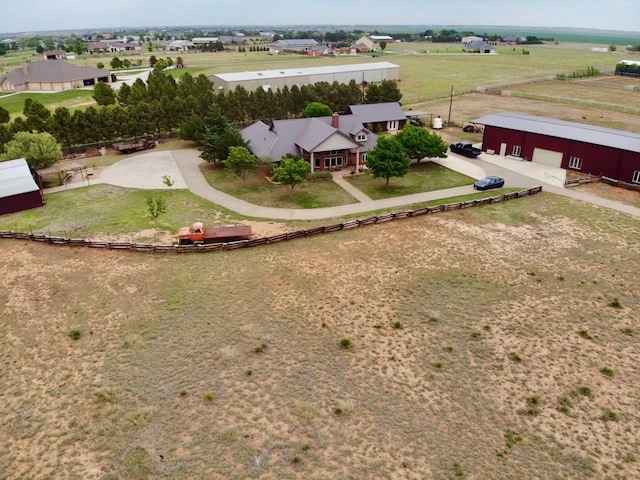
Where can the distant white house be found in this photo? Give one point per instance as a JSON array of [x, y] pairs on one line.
[[470, 39]]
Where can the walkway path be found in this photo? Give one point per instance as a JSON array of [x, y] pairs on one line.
[[353, 191]]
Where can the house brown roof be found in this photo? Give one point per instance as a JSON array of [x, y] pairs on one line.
[[46, 71]]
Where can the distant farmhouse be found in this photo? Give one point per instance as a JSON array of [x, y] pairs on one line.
[[51, 76], [181, 46], [471, 39], [513, 39], [327, 143], [479, 47], [370, 43], [575, 146], [301, 45], [275, 79], [112, 46], [54, 55]]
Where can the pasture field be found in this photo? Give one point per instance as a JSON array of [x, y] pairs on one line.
[[496, 342], [423, 74]]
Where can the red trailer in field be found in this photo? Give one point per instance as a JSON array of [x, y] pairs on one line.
[[198, 233]]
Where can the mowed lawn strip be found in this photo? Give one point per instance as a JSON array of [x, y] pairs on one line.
[[260, 191], [105, 209], [422, 177]]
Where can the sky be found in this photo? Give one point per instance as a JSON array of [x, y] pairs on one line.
[[51, 15]]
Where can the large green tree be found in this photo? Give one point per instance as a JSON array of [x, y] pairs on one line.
[[4, 115], [103, 94], [291, 171], [418, 143], [240, 161], [317, 109], [388, 159], [40, 150]]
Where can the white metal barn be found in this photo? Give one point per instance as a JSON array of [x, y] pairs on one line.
[[277, 79]]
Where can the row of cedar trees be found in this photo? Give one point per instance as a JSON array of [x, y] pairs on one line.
[[163, 105]]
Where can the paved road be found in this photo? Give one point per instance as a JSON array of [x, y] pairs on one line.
[[145, 171]]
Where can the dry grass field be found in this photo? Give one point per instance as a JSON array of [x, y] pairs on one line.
[[498, 342]]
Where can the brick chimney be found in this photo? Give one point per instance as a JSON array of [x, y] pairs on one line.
[[25, 67], [335, 120]]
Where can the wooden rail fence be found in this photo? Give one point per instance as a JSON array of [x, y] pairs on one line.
[[217, 247]]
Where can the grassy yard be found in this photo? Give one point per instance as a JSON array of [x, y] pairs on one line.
[[260, 191], [70, 99], [422, 177], [103, 210]]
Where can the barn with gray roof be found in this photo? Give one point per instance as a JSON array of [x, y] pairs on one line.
[[288, 77], [575, 146], [18, 189], [51, 76]]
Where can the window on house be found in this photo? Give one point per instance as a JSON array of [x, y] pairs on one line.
[[517, 150], [361, 137], [316, 162], [363, 157], [392, 125], [636, 177], [575, 163], [330, 162], [333, 152]]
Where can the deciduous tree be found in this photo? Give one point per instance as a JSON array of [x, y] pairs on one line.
[[388, 159], [40, 150], [292, 171], [418, 143], [317, 109], [240, 161]]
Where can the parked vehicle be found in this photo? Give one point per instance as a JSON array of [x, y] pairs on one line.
[[197, 233], [488, 183], [466, 149], [134, 145]]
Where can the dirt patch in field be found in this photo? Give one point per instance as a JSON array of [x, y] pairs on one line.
[[485, 343]]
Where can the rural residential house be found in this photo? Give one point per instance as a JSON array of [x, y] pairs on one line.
[[479, 47], [301, 45], [370, 43], [327, 143], [471, 39], [574, 146], [51, 76], [112, 46], [54, 55], [18, 189], [513, 39]]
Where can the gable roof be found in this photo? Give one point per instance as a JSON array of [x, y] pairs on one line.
[[479, 46], [579, 132], [378, 112], [16, 178], [58, 71], [296, 42], [292, 135]]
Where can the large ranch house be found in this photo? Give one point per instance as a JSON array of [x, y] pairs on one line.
[[327, 143], [574, 146], [301, 45], [51, 76], [278, 79]]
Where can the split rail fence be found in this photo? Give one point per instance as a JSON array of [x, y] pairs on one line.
[[217, 247]]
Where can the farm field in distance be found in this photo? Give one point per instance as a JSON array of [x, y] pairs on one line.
[[485, 343]]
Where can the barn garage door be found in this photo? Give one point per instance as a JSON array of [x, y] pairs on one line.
[[547, 157]]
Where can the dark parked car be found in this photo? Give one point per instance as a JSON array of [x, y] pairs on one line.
[[488, 183], [466, 149]]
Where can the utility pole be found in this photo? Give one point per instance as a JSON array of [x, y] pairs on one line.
[[450, 104]]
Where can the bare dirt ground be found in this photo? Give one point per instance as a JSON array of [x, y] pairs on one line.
[[497, 342]]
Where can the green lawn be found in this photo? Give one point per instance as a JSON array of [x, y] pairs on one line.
[[260, 191], [70, 98], [422, 177], [107, 209]]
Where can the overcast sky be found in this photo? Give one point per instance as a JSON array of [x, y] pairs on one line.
[[43, 15]]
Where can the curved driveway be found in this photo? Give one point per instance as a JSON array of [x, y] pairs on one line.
[[183, 166]]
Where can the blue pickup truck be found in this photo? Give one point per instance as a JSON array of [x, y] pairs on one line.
[[466, 149]]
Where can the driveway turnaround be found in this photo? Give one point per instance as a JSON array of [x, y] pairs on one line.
[[146, 171]]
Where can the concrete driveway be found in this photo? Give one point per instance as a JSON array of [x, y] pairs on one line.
[[144, 172]]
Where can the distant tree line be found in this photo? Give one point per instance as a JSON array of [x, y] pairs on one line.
[[624, 69], [163, 105]]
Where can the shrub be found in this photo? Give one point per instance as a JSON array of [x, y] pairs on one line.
[[249, 373], [565, 404], [75, 334], [585, 334], [260, 348], [208, 397], [319, 176], [628, 331], [438, 365], [615, 303], [609, 415], [397, 325], [515, 357], [608, 371], [183, 393], [585, 392], [346, 344]]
